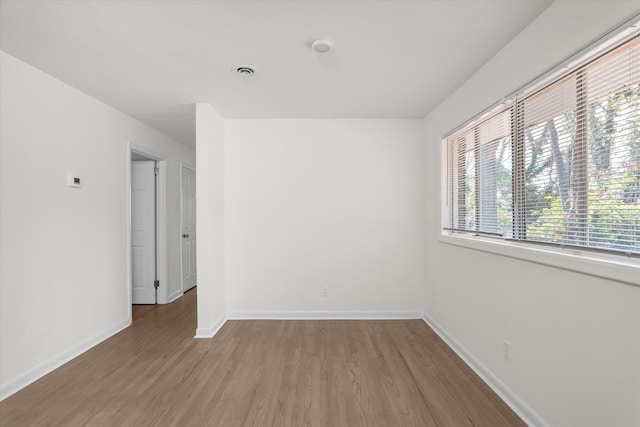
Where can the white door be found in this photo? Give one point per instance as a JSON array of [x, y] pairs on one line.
[[188, 228], [143, 233]]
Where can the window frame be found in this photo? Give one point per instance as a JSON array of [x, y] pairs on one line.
[[620, 267]]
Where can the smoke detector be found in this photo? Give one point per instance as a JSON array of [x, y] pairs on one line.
[[321, 46], [244, 70]]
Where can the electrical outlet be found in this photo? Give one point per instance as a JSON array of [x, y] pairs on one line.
[[73, 181], [324, 291], [506, 350]]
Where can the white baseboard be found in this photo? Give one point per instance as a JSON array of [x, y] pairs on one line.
[[528, 415], [18, 383], [174, 296], [211, 331], [324, 315]]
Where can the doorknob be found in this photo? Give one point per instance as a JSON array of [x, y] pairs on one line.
[[184, 236]]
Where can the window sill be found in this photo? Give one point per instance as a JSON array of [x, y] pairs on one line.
[[613, 267]]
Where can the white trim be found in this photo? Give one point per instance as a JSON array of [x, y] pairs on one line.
[[526, 413], [16, 384], [211, 331], [127, 251], [161, 208], [174, 296], [613, 267], [324, 315], [187, 165]]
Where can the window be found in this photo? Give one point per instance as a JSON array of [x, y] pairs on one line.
[[558, 166]]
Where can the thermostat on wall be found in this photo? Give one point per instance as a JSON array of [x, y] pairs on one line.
[[73, 181]]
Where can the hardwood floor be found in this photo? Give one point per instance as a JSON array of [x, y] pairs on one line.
[[261, 373]]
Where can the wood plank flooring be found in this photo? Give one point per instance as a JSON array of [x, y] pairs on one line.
[[261, 373]]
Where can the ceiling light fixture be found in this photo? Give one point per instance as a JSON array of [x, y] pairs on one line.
[[244, 70], [321, 46]]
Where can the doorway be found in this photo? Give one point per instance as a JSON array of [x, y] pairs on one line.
[[188, 221], [144, 251], [146, 227]]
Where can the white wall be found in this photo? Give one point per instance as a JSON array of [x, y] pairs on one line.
[[63, 251], [575, 338], [210, 220], [336, 203]]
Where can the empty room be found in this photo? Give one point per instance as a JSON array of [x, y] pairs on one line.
[[320, 213]]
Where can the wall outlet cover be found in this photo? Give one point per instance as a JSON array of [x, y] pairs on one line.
[[74, 181]]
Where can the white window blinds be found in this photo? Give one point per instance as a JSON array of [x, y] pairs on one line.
[[482, 177], [560, 166]]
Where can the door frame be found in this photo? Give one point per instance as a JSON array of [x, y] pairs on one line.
[[161, 220], [188, 166]]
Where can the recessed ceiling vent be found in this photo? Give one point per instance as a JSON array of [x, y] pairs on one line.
[[244, 70]]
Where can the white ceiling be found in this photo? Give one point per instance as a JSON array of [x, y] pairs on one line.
[[154, 59]]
